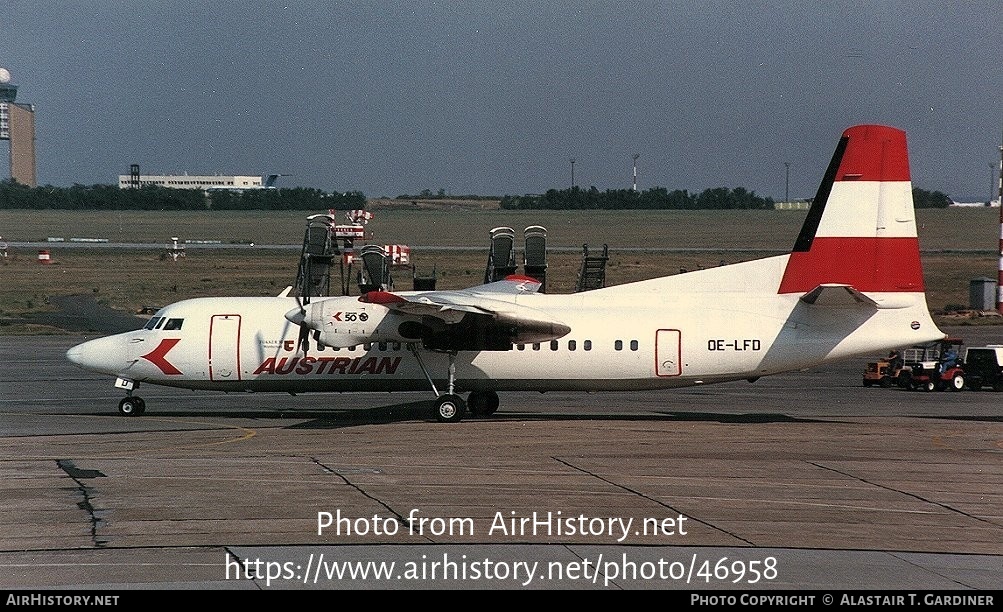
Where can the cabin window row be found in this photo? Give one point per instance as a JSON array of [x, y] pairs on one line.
[[573, 345], [382, 346], [555, 345]]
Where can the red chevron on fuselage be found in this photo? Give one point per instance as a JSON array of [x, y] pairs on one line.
[[158, 356]]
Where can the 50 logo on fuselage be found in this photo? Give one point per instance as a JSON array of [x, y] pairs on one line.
[[348, 316]]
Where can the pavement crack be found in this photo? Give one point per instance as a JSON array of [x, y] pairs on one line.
[[242, 568], [94, 515], [404, 521], [906, 493], [652, 500], [929, 568]]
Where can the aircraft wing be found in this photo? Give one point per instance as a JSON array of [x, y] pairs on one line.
[[478, 318], [452, 306], [510, 285]]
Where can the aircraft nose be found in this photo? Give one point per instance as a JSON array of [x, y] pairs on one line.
[[85, 355], [76, 355], [104, 355]]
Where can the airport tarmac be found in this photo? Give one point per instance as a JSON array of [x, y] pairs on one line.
[[799, 481]]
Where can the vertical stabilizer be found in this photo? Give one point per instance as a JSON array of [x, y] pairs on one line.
[[861, 229]]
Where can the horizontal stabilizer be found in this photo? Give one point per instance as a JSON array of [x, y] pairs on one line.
[[837, 296]]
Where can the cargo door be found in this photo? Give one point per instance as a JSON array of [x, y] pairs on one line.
[[668, 353]]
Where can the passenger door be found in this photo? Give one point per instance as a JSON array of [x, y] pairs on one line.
[[224, 348]]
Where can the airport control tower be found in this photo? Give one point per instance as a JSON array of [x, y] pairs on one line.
[[17, 125]]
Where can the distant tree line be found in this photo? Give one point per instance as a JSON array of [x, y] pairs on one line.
[[426, 194], [14, 195], [922, 198], [111, 197], [659, 198], [656, 198], [297, 198]]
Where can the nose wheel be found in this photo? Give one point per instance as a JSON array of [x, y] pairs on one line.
[[131, 406]]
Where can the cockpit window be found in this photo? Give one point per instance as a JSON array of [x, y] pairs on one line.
[[164, 323]]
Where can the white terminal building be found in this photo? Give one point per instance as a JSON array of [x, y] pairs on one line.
[[188, 181]]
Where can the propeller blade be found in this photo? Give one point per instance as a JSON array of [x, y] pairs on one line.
[[304, 340]]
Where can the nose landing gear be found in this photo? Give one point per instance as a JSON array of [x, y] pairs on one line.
[[132, 406]]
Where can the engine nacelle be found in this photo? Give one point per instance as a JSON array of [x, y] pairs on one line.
[[346, 322]]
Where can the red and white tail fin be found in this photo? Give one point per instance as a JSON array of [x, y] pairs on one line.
[[861, 229]]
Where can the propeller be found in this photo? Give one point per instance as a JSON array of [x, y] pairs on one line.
[[303, 340], [303, 295]]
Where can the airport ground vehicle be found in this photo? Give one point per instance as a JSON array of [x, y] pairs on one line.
[[934, 366], [984, 367], [883, 372]]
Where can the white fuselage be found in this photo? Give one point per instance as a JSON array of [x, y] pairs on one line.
[[707, 326], [851, 285]]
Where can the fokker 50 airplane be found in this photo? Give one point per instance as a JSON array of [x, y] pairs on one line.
[[852, 285]]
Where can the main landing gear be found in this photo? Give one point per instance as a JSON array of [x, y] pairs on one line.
[[450, 407], [482, 403]]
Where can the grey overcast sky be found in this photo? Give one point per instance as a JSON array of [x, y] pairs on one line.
[[495, 97]]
